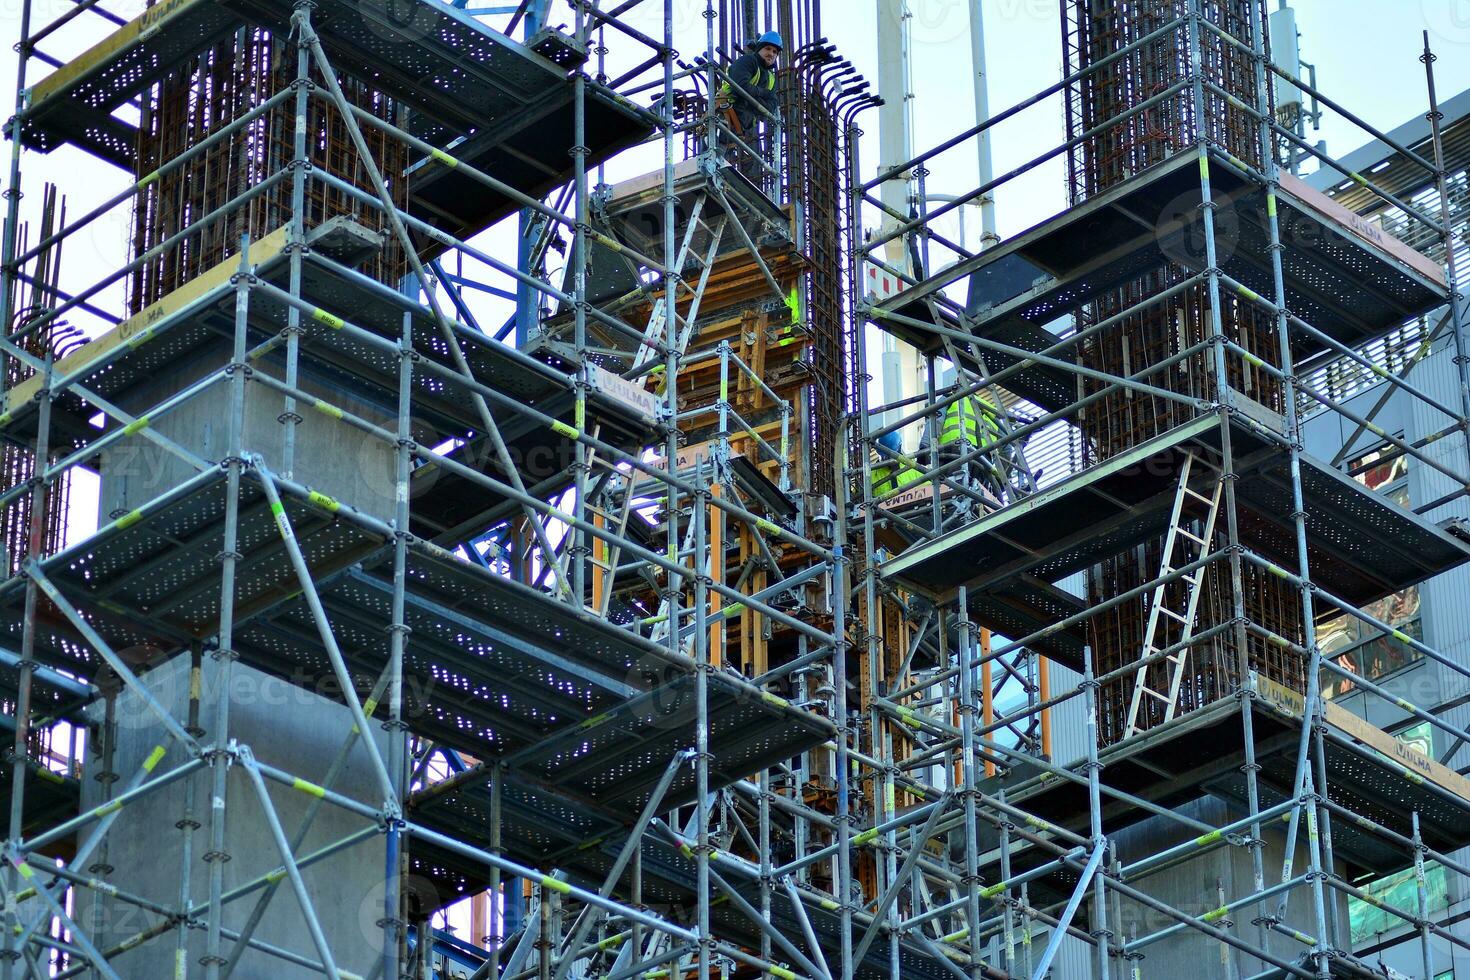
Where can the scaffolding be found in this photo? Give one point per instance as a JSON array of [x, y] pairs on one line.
[[629, 612], [1159, 584]]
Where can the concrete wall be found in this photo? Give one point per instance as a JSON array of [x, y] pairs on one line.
[[330, 457], [289, 728], [1198, 886]]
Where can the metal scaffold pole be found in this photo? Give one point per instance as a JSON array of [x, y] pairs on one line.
[[655, 614]]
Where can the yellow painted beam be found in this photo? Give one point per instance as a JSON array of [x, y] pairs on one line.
[[159, 17], [135, 329]]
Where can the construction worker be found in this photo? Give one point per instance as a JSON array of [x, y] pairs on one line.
[[888, 473], [754, 74], [971, 422]]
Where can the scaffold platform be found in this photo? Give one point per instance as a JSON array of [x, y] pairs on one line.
[[570, 703], [76, 102], [483, 98], [1345, 276], [193, 325], [1373, 774], [669, 876], [1362, 546]]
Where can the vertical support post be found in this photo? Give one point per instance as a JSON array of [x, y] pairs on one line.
[[715, 531], [26, 668], [1421, 891], [842, 828], [1265, 143], [1008, 924], [1312, 694], [1043, 694], [296, 246], [578, 551], [987, 697], [498, 904], [702, 756], [398, 761], [9, 282], [545, 941], [1457, 313], [189, 822], [220, 753], [1100, 932], [970, 776], [528, 222], [1322, 957], [763, 836], [1319, 756]]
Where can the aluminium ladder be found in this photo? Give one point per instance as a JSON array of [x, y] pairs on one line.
[[1159, 608]]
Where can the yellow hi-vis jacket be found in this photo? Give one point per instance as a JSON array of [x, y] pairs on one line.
[[883, 476], [973, 419]]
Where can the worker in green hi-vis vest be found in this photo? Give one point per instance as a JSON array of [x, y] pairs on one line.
[[969, 423], [890, 474], [966, 425], [754, 74]]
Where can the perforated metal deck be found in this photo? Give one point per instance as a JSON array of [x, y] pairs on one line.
[[489, 101], [1346, 277], [194, 324], [571, 704], [1202, 753], [587, 852], [75, 103], [1362, 547]]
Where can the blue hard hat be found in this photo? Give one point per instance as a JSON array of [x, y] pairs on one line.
[[773, 38], [891, 440]]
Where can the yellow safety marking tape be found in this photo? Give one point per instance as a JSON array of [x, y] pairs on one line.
[[557, 886], [335, 322], [323, 501], [310, 789]]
